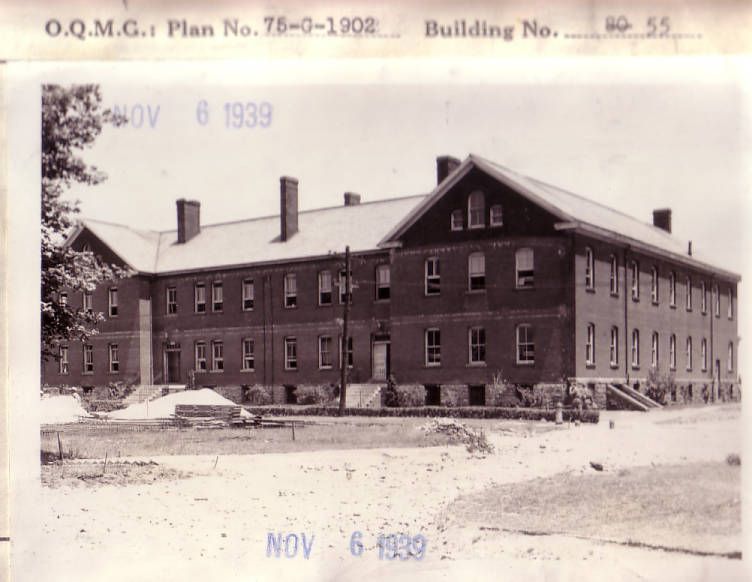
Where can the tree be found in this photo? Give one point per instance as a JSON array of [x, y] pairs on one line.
[[72, 118]]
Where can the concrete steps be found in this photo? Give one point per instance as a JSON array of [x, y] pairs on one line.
[[149, 392], [363, 396], [632, 398]]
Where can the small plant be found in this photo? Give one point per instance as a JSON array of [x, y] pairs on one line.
[[734, 460], [315, 394], [474, 440], [258, 395]]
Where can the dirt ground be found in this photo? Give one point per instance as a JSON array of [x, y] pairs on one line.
[[215, 524]]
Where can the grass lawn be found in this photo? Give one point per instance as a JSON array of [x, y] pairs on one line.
[[694, 507], [93, 442]]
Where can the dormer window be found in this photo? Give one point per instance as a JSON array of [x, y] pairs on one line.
[[497, 216], [476, 210], [457, 220]]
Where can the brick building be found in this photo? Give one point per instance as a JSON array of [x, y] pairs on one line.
[[495, 288]]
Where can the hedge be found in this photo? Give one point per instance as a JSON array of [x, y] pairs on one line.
[[429, 411]]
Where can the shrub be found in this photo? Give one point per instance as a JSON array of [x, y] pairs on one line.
[[315, 394], [734, 460], [410, 396], [258, 395], [473, 439]]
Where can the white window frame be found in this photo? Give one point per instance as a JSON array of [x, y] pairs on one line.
[[672, 289], [634, 269], [589, 269], [457, 220], [730, 306], [350, 352], [432, 343], [635, 348], [432, 276], [654, 286], [590, 345], [524, 344], [171, 300], [476, 339], [199, 297], [325, 287], [248, 362], [524, 277], [63, 360], [655, 341], [248, 294], [199, 357], [112, 301], [716, 301], [703, 297], [218, 356], [88, 359], [614, 276], [476, 272], [496, 215], [383, 283], [326, 344], [614, 347], [113, 357], [688, 354], [730, 357], [672, 351], [218, 296], [290, 284], [476, 210], [291, 353], [704, 354], [87, 302], [688, 297]]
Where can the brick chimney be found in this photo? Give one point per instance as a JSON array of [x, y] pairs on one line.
[[662, 218], [445, 165], [189, 219], [288, 207], [352, 199]]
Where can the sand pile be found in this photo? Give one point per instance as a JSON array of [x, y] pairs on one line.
[[60, 409], [164, 407]]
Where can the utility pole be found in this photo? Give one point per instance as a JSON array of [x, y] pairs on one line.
[[345, 318]]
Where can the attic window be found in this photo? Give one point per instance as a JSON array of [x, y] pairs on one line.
[[86, 248], [457, 222], [476, 210], [497, 217]]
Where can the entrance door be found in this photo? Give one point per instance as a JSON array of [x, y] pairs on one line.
[[380, 360], [173, 367]]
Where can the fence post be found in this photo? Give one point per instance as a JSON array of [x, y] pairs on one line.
[[59, 446]]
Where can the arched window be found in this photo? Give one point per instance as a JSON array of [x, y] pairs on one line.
[[635, 268], [635, 348], [614, 276], [590, 345], [689, 353], [589, 269], [476, 210], [672, 351], [730, 357], [689, 294], [704, 354], [614, 347], [730, 307], [654, 350], [672, 289], [703, 297], [654, 284]]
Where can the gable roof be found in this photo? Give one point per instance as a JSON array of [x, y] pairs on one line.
[[573, 211]]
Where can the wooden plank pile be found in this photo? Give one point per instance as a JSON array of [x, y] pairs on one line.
[[210, 415]]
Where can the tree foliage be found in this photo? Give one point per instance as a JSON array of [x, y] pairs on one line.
[[72, 118]]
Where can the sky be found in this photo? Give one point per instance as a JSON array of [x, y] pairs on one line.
[[634, 141]]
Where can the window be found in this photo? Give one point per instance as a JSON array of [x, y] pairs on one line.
[[689, 353], [476, 210], [704, 354], [326, 357], [114, 359], [730, 306], [613, 349], [63, 299], [249, 360], [344, 292], [672, 352], [383, 282], [325, 288], [172, 300], [635, 268], [730, 357], [716, 301], [688, 298], [614, 276], [672, 289], [291, 353], [477, 341], [200, 357], [62, 362], [525, 344], [497, 215], [590, 345], [654, 350], [218, 359], [86, 248], [654, 285], [88, 359], [456, 220], [349, 352], [217, 296], [703, 298], [291, 290], [635, 348], [433, 347], [112, 294], [589, 269], [523, 260], [87, 302], [199, 298], [433, 276], [249, 294], [476, 272]]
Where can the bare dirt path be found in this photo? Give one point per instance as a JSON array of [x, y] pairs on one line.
[[215, 525]]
